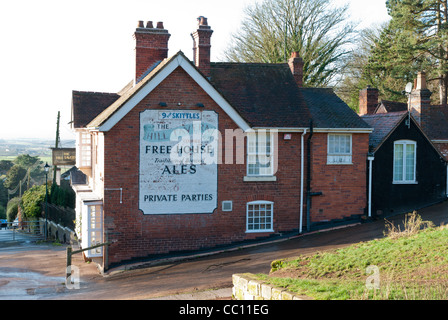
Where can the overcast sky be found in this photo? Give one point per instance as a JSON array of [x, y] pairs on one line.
[[51, 47]]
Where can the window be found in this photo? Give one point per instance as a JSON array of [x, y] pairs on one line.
[[404, 161], [339, 149], [259, 216], [95, 229], [85, 150], [260, 154]]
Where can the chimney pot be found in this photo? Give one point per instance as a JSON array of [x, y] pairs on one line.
[[421, 81], [160, 25], [149, 25], [140, 24], [202, 21]]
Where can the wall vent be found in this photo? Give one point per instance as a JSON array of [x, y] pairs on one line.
[[227, 205]]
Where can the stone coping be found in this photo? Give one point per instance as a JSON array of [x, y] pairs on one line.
[[247, 286]]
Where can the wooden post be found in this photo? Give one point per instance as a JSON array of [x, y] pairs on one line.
[[69, 261]]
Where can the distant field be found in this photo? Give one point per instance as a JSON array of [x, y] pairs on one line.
[[11, 148]]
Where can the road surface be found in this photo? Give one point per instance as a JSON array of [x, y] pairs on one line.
[[36, 271]]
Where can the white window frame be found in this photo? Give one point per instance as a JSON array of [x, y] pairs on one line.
[[250, 208], [260, 153], [338, 156], [96, 230], [405, 163], [85, 149]]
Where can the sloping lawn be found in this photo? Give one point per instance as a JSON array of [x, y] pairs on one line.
[[408, 264]]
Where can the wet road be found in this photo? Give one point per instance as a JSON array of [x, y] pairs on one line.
[[37, 271]]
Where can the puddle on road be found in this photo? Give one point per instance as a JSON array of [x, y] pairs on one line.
[[24, 284]]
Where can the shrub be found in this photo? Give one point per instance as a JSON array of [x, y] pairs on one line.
[[412, 224], [12, 209], [32, 201], [2, 212]]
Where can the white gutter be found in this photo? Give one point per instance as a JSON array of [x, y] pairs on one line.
[[301, 181], [343, 130], [318, 130], [370, 185]]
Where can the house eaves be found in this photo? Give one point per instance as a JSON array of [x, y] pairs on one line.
[[119, 109]]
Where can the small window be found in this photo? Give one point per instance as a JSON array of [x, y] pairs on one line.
[[339, 149], [260, 216], [405, 161], [260, 154]]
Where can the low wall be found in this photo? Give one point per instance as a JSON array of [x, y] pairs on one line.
[[247, 287], [56, 231]]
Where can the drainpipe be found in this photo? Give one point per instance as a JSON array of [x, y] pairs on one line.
[[301, 179], [370, 158], [446, 180], [308, 178]]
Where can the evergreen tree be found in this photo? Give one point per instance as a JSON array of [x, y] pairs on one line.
[[415, 40]]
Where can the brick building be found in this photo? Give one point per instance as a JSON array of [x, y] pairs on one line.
[[195, 155]]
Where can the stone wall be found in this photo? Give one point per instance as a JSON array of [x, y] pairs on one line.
[[248, 287]]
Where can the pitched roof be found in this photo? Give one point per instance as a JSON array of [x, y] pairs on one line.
[[115, 106], [266, 95], [88, 105], [115, 112], [256, 95], [329, 111], [383, 124], [391, 106], [435, 122]]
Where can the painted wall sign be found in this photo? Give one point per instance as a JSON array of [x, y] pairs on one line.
[[178, 161]]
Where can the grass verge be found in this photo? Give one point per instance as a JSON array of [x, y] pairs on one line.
[[407, 264]]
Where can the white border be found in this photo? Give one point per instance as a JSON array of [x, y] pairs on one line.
[[147, 88]]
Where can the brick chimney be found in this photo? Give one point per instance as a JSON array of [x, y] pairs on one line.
[[151, 46], [368, 100], [420, 99], [296, 65], [201, 46]]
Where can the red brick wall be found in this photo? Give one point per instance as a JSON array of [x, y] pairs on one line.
[[151, 45], [137, 235], [343, 186]]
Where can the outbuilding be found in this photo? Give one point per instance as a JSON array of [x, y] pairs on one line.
[[408, 151]]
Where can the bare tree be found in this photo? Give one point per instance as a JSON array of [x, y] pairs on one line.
[[316, 29]]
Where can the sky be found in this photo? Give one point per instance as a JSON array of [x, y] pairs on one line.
[[50, 47]]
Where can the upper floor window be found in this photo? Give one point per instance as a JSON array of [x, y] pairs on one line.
[[405, 161], [339, 149], [260, 159], [85, 150]]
